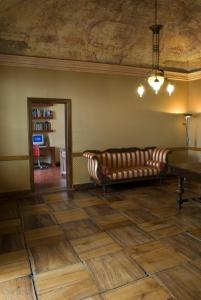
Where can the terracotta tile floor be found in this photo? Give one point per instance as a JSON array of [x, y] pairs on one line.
[[48, 179], [128, 244]]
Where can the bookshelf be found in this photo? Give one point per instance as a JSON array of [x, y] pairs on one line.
[[42, 114]]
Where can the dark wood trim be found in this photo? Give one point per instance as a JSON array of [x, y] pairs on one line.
[[68, 135], [194, 148], [6, 195], [77, 154], [68, 143], [178, 148], [14, 157], [83, 186], [29, 113]]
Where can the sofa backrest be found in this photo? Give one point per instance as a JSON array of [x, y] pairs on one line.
[[114, 159]]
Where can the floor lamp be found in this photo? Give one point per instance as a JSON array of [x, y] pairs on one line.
[[187, 117]]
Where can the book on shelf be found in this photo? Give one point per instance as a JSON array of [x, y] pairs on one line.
[[42, 113], [42, 126]]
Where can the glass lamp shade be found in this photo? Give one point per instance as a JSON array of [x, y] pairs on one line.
[[156, 81], [170, 88], [140, 90]]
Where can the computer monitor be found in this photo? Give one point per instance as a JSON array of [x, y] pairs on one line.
[[38, 139]]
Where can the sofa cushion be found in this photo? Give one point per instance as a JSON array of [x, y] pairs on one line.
[[142, 171], [157, 164]]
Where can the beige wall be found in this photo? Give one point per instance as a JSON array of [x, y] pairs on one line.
[[105, 113], [194, 105]]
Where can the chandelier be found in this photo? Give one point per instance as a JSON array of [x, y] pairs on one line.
[[156, 78]]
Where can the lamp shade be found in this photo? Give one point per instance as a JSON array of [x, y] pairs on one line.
[[156, 81], [140, 90], [170, 88]]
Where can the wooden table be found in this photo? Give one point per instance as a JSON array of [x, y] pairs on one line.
[[48, 151], [191, 171]]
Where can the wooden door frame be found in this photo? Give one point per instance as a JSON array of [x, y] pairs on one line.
[[68, 137]]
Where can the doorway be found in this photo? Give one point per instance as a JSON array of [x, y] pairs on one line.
[[50, 144]]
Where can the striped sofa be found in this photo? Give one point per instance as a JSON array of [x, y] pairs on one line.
[[126, 164]]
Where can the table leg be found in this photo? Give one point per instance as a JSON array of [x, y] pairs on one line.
[[180, 191], [53, 157]]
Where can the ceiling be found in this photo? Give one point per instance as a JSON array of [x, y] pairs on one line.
[[104, 31]]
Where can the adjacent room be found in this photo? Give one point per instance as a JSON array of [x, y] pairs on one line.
[[100, 150], [47, 138]]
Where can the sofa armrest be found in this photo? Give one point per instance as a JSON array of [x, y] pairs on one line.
[[160, 155], [89, 154], [94, 166]]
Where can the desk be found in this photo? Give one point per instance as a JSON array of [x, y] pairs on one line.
[[190, 171], [48, 151]]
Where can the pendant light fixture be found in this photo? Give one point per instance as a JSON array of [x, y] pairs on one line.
[[156, 78]]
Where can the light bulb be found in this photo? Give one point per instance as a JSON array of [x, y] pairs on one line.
[[170, 88], [140, 90], [156, 81]]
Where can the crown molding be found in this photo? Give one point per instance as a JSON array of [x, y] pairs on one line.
[[87, 67], [194, 75]]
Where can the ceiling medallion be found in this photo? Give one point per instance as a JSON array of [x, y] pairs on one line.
[[156, 78]]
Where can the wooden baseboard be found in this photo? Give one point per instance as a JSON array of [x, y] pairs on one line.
[[14, 194], [83, 186]]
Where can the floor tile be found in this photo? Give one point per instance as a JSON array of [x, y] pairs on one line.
[[182, 281], [61, 205], [14, 265], [129, 236], [147, 288], [166, 232], [8, 211], [17, 289], [71, 282], [37, 221], [90, 201], [159, 259], [30, 200], [125, 205], [56, 196], [82, 195], [111, 221], [9, 226], [53, 255], [99, 210], [156, 224], [139, 216], [145, 248], [183, 221], [70, 215], [78, 229], [11, 242], [186, 245], [43, 235], [165, 211], [95, 245], [196, 233], [197, 263], [34, 209], [114, 270]]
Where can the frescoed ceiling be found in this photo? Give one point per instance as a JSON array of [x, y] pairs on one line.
[[103, 31]]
